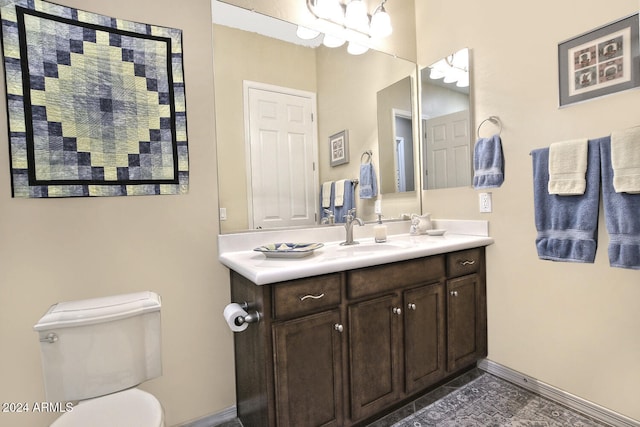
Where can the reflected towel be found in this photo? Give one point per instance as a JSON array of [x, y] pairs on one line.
[[368, 183], [567, 225], [621, 216], [625, 158], [348, 201], [488, 163], [568, 167], [338, 196], [326, 194]]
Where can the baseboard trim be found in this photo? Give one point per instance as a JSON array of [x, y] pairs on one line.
[[225, 415], [550, 392]]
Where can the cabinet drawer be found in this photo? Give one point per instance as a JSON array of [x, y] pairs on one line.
[[389, 277], [464, 262], [306, 295]]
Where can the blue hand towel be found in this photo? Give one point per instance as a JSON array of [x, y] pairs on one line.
[[567, 225], [368, 183], [488, 163], [621, 216], [347, 203]]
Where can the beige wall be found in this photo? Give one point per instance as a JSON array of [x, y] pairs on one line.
[[574, 326], [54, 250]]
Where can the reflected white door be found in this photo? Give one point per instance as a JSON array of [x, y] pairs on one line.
[[448, 151], [283, 154]]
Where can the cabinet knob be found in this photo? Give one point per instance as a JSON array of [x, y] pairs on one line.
[[397, 310], [411, 306], [338, 327], [453, 293]]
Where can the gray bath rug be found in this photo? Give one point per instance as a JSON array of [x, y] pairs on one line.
[[490, 401]]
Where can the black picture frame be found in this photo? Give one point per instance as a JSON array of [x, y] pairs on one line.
[[600, 62]]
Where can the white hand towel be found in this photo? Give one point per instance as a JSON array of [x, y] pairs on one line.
[[338, 199], [326, 194], [625, 159], [568, 167]]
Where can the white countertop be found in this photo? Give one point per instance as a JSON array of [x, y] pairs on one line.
[[333, 257]]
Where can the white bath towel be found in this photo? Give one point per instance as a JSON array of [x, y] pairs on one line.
[[326, 194], [338, 198], [625, 159], [568, 167]]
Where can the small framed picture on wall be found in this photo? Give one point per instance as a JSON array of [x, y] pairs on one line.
[[600, 62], [339, 148]]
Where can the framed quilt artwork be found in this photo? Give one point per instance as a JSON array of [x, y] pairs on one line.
[[601, 62], [96, 105]]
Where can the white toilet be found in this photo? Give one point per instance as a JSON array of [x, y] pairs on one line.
[[96, 351]]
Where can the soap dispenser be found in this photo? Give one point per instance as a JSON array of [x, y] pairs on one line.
[[380, 231]]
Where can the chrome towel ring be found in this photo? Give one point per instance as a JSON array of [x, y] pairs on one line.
[[491, 119]]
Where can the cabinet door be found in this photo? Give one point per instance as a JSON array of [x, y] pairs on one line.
[[466, 325], [424, 336], [374, 354], [308, 371]]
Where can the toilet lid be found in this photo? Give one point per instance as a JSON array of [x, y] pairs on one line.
[[132, 407]]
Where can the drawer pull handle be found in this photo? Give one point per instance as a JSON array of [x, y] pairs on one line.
[[411, 306], [467, 262], [397, 310], [453, 293], [338, 327], [311, 296]]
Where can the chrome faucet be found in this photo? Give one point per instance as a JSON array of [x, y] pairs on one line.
[[329, 218], [350, 219]]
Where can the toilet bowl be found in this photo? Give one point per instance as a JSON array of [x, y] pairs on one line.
[[132, 407], [96, 352]]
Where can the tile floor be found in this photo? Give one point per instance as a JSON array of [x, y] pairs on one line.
[[411, 407]]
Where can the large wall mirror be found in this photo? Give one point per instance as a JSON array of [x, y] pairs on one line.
[[351, 93], [447, 139]]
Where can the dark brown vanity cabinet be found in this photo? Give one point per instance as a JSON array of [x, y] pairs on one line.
[[340, 348]]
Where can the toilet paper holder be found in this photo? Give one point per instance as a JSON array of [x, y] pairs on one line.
[[253, 317]]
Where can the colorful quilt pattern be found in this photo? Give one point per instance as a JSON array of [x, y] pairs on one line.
[[96, 105]]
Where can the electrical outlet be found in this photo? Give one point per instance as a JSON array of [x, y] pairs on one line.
[[223, 214], [485, 202]]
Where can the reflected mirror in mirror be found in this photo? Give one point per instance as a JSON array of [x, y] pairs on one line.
[[445, 119], [395, 138], [345, 89]]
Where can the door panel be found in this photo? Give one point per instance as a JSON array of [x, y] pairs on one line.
[[424, 322], [282, 159], [373, 355], [308, 371]]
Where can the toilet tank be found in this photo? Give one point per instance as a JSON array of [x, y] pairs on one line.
[[99, 346]]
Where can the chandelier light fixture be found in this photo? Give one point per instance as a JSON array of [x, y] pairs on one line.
[[452, 69], [349, 22]]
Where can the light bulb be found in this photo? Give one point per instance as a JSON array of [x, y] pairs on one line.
[[356, 15], [326, 9], [381, 23], [463, 81], [307, 33], [332, 41], [356, 48]]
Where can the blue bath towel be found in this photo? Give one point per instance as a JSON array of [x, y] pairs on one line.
[[368, 183], [488, 163], [348, 203], [567, 225], [621, 214]]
